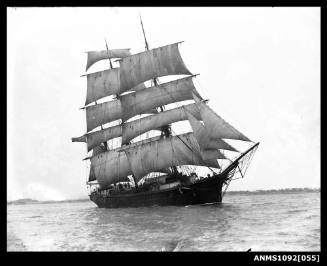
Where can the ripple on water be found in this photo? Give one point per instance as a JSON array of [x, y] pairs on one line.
[[260, 222]]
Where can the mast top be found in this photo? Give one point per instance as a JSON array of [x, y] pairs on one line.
[[146, 42], [110, 64]]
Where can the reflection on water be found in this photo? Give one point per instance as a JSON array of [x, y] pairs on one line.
[[262, 222]]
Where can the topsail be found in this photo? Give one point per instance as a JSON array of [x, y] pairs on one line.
[[133, 71], [151, 64], [132, 129], [140, 102], [105, 83]]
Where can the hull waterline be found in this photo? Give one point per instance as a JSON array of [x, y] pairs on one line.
[[208, 190]]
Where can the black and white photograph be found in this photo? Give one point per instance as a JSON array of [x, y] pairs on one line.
[[163, 129]]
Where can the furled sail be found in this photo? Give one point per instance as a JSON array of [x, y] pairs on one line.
[[95, 56], [148, 156], [140, 102], [217, 127], [151, 64]]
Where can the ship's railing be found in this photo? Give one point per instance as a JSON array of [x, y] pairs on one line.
[[117, 188]]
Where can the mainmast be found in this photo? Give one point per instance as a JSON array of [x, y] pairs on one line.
[[165, 130], [200, 147], [110, 64]]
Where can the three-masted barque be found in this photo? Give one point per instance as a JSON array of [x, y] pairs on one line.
[[166, 168]]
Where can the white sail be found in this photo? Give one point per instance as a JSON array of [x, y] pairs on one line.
[[110, 167], [132, 129], [217, 127], [222, 145], [95, 56], [102, 113], [139, 102], [148, 156], [166, 93], [151, 64], [200, 133], [137, 127], [209, 148], [105, 83], [209, 154], [95, 138], [97, 150], [164, 153], [203, 137], [202, 147], [101, 84]]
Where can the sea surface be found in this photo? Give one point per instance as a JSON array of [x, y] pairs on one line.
[[263, 222]]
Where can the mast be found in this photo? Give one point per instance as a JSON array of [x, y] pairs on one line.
[[165, 130], [110, 67], [117, 96], [110, 64], [166, 152]]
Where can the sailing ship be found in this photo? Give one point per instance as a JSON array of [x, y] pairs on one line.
[[151, 164]]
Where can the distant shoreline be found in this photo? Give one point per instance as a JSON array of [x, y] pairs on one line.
[[32, 201], [275, 191], [240, 192]]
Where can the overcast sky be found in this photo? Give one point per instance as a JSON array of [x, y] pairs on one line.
[[260, 68]]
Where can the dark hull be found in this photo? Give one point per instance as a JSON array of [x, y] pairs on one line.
[[208, 190]]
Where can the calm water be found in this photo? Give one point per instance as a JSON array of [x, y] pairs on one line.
[[265, 222]]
